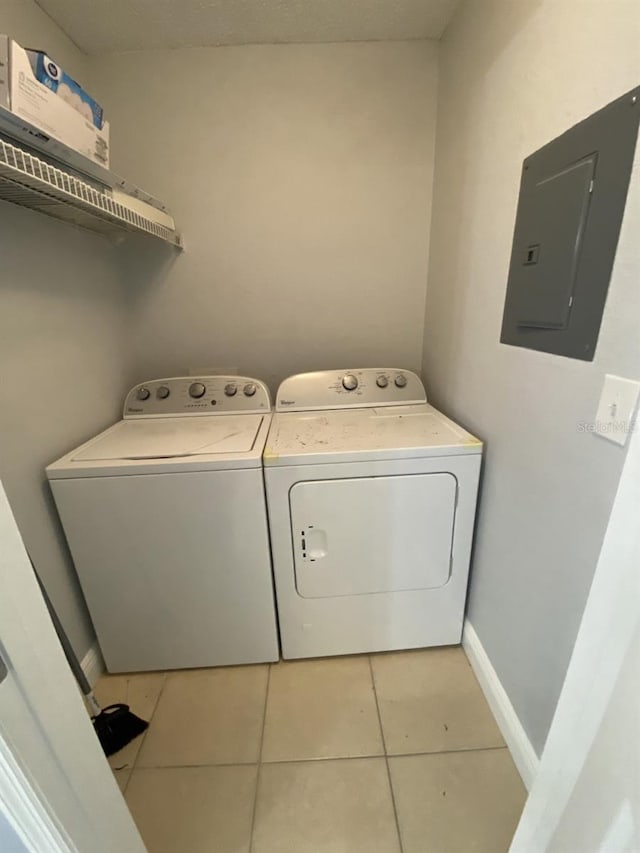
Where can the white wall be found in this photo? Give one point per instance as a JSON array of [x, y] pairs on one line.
[[512, 77], [301, 176], [62, 350]]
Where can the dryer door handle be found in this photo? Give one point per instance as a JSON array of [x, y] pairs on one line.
[[313, 543]]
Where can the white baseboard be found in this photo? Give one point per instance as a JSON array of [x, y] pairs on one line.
[[522, 752], [92, 664]]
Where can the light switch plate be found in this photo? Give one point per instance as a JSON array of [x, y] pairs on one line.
[[617, 405]]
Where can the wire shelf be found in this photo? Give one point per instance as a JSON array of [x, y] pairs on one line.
[[31, 182]]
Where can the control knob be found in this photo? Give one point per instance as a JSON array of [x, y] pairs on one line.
[[197, 390], [349, 382], [382, 381], [401, 380], [250, 389], [143, 393], [163, 392], [230, 389]]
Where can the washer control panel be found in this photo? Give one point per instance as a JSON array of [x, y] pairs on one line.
[[197, 395], [338, 389]]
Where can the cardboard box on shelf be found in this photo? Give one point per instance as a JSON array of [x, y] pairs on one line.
[[35, 89], [50, 74]]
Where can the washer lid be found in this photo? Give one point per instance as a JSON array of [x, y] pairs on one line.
[[170, 438]]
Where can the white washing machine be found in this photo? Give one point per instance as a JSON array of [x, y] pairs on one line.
[[372, 497], [165, 517]]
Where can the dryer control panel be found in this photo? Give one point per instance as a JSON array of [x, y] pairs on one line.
[[355, 388], [197, 395]]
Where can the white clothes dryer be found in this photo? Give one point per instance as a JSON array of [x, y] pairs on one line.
[[165, 517], [371, 495]]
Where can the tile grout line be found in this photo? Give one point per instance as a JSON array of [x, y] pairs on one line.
[[258, 772], [134, 766], [386, 757], [320, 759], [416, 754], [463, 749], [146, 731]]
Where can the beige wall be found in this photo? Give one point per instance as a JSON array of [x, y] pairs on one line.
[[301, 176], [512, 77], [25, 21], [62, 350]]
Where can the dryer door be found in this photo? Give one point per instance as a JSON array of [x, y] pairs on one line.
[[372, 534]]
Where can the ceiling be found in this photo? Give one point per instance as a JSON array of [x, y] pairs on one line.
[[112, 26]]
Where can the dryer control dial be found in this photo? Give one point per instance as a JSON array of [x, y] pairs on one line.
[[349, 382], [250, 389], [382, 381], [163, 392], [230, 389], [143, 393], [401, 380], [197, 390]]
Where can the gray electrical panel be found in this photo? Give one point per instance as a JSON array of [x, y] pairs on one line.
[[572, 198]]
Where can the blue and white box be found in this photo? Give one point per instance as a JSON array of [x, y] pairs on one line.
[[37, 91], [51, 75]]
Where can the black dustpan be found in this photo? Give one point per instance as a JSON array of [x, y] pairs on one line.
[[116, 726]]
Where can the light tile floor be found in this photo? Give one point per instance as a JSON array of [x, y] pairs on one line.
[[393, 753]]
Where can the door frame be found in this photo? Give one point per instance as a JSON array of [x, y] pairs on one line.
[[610, 619], [25, 810], [57, 791]]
